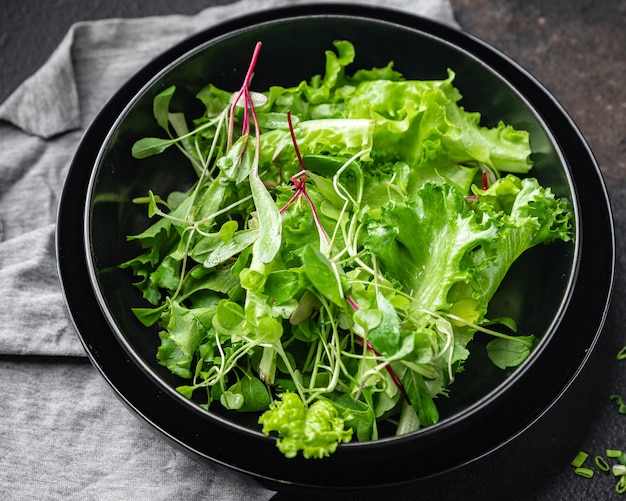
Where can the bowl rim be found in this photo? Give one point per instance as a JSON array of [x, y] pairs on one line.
[[443, 33]]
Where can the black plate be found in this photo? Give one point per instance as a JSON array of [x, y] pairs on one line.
[[584, 276]]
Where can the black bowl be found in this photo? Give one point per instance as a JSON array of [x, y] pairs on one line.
[[559, 292]]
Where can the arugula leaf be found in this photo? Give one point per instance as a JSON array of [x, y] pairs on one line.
[[185, 332], [421, 399], [148, 146]]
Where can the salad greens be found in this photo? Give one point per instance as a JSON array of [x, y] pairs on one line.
[[338, 251]]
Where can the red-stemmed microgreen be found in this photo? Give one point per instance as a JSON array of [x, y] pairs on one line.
[[248, 105], [268, 243], [299, 182], [485, 179], [389, 369]]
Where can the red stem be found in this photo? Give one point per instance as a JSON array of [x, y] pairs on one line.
[[299, 180], [391, 372], [485, 180], [245, 93], [293, 140]]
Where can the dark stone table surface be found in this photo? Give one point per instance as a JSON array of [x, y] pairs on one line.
[[577, 49]]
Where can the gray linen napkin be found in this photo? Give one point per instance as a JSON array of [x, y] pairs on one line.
[[58, 420]]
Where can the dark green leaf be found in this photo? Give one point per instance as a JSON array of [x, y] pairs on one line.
[[149, 316], [509, 352], [362, 416], [148, 146], [281, 286], [254, 392], [319, 270], [420, 397], [161, 106]]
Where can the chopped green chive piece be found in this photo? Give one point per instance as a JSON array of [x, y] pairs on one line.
[[621, 354], [617, 454], [580, 458], [619, 470], [620, 487], [620, 403], [584, 472], [601, 463]]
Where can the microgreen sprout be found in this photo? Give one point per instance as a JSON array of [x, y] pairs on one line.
[[247, 105], [485, 185], [389, 369], [299, 181]]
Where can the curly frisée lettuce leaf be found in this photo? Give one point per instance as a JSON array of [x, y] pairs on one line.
[[438, 240], [339, 251], [453, 256], [315, 430], [421, 123]]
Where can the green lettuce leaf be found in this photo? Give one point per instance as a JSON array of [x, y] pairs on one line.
[[439, 242], [421, 122], [315, 430]]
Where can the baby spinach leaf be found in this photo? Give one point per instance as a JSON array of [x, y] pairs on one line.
[[255, 395], [510, 352]]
